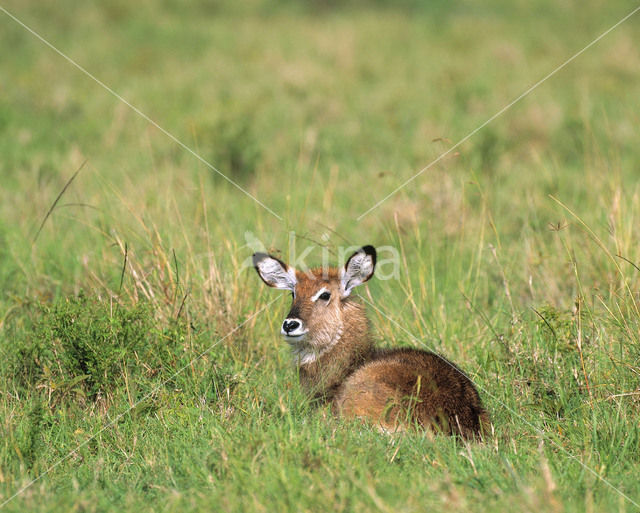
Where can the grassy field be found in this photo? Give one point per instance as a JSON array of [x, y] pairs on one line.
[[140, 363]]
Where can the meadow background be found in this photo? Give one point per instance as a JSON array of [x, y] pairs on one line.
[[519, 250]]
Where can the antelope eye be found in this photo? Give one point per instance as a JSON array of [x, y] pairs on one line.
[[325, 296]]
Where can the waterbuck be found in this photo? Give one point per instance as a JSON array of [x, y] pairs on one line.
[[329, 335]]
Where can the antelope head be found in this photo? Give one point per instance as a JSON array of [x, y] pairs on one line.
[[322, 309]]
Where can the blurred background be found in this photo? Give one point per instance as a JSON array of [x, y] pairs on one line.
[[319, 110]]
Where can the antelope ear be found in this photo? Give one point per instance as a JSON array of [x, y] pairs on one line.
[[358, 269], [274, 272]]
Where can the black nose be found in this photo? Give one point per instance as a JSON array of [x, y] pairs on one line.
[[289, 326]]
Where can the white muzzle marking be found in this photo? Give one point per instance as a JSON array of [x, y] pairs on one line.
[[293, 330]]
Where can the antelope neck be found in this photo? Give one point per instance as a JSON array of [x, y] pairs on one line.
[[323, 371], [307, 354]]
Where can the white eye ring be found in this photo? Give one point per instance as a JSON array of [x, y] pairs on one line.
[[323, 294]]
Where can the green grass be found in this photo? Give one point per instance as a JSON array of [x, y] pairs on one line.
[[518, 250]]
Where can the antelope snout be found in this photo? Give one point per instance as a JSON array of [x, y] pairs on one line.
[[293, 327]]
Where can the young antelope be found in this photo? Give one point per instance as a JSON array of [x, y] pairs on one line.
[[329, 335]]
